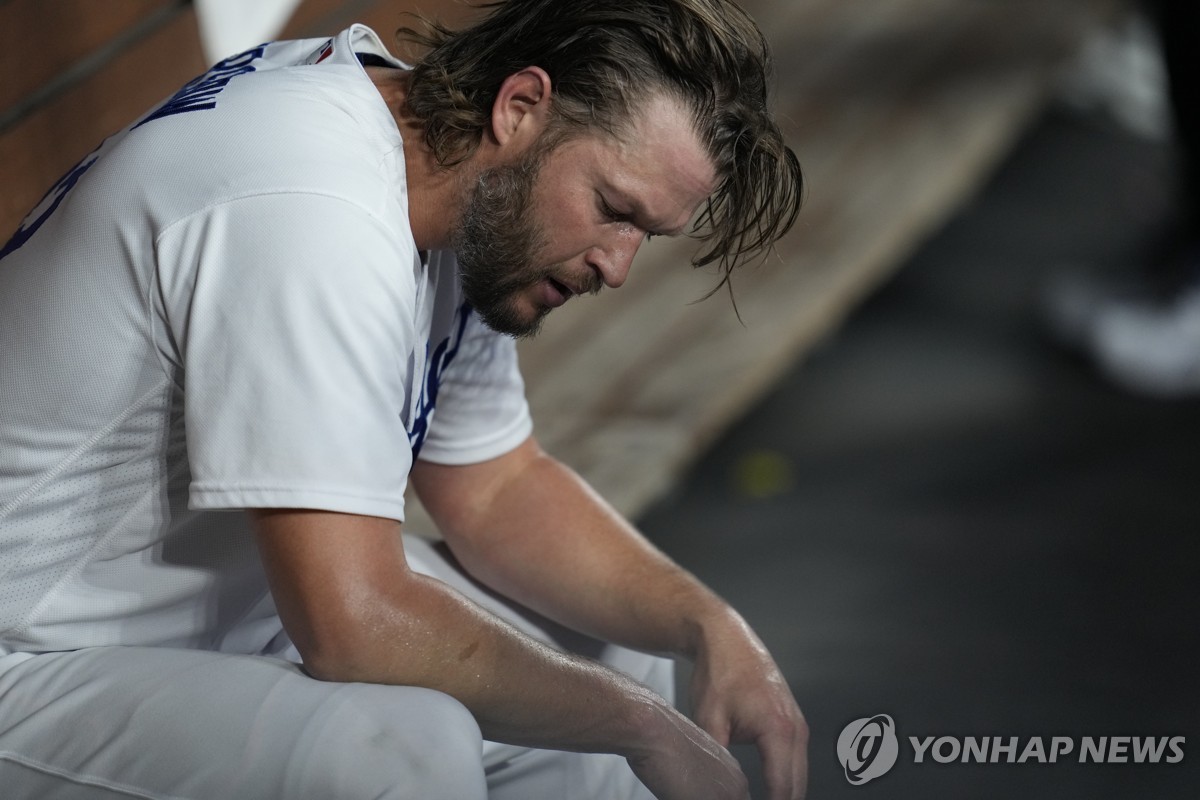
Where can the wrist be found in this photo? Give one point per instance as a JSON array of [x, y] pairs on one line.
[[718, 626], [652, 725]]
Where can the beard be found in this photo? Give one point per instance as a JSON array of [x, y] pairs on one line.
[[497, 242]]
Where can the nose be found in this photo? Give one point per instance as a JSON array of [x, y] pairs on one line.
[[614, 263]]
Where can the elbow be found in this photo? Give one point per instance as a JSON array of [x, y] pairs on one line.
[[335, 660], [331, 668], [375, 638], [339, 647]]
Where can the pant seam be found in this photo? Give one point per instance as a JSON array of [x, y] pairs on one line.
[[81, 779]]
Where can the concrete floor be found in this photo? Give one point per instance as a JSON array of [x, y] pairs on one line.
[[942, 517]]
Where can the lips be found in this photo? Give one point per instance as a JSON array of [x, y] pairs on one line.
[[564, 289], [554, 293]]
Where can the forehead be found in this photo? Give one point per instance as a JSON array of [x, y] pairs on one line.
[[656, 162]]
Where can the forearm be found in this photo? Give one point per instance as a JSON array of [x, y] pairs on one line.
[[398, 627], [544, 538], [519, 690]]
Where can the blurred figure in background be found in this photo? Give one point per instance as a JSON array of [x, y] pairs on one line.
[[1146, 337]]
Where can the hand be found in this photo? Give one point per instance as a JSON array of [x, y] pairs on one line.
[[739, 695], [687, 764]]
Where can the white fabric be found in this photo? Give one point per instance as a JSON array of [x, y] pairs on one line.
[[223, 308], [120, 722], [230, 26], [157, 722]]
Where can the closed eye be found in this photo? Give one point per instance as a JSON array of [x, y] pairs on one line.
[[613, 215]]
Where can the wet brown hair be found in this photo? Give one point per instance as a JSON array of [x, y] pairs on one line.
[[604, 57]]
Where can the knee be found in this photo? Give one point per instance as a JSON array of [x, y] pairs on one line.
[[452, 767], [402, 743]]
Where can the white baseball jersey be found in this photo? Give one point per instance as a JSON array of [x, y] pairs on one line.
[[223, 308]]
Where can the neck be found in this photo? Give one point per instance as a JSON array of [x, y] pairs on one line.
[[434, 192]]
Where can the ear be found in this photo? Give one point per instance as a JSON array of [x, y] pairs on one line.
[[522, 108]]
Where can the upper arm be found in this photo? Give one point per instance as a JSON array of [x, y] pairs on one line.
[[460, 497], [289, 315], [330, 574]]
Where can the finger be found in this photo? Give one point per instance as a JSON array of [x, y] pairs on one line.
[[785, 766], [717, 726]]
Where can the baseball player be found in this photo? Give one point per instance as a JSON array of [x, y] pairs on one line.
[[235, 333]]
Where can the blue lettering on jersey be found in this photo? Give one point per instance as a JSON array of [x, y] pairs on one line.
[[196, 95], [201, 93], [48, 204], [435, 368]]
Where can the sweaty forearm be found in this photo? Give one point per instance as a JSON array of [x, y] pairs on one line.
[[520, 690], [542, 536], [356, 612], [523, 692]]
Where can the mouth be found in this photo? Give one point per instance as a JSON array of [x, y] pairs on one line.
[[555, 293]]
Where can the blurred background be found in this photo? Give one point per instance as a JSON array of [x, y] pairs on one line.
[[944, 456], [944, 516]]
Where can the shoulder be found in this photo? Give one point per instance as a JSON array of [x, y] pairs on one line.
[[283, 128]]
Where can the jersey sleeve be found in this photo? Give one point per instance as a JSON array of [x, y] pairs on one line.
[[290, 315], [481, 411]]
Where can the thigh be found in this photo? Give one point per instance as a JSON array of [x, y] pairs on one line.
[[120, 722]]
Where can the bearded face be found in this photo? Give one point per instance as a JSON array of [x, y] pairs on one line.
[[497, 242], [568, 215]]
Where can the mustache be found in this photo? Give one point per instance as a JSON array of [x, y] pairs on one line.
[[589, 282]]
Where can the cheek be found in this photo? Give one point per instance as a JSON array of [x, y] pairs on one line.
[[563, 229], [566, 219], [556, 205]]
